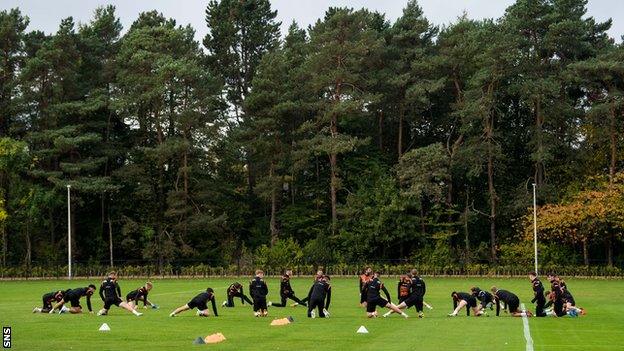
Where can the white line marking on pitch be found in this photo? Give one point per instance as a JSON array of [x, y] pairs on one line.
[[527, 332]]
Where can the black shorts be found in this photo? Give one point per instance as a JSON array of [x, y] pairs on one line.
[[471, 302], [412, 300], [259, 303], [132, 297], [47, 304], [73, 300], [513, 305], [111, 301], [199, 304], [371, 304]]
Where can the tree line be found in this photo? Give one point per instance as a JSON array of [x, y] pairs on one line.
[[355, 139]]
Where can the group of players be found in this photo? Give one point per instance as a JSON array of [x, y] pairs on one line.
[[319, 297], [411, 291], [557, 302]]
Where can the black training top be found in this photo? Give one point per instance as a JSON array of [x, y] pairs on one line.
[[258, 288], [109, 289], [138, 294], [53, 296], [285, 288], [505, 297], [418, 286], [320, 290], [235, 288], [484, 297], [538, 290], [204, 298], [373, 289], [77, 294]]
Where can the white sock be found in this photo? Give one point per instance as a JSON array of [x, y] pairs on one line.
[[403, 314], [136, 313], [387, 313]]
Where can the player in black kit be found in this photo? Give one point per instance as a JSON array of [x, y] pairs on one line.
[[510, 302], [110, 293], [416, 294], [464, 299], [235, 290], [372, 290], [258, 291], [201, 303], [73, 296], [140, 294], [555, 297], [286, 292], [319, 297], [48, 298], [485, 298], [538, 295]]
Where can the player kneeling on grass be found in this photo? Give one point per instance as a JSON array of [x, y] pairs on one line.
[[464, 299], [73, 296], [569, 304], [48, 298], [319, 297], [259, 291], [235, 290], [510, 302], [140, 294], [286, 292], [201, 303], [110, 293], [485, 298], [372, 291], [538, 295]]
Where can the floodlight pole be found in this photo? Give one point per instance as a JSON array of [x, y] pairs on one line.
[[535, 224], [69, 255]]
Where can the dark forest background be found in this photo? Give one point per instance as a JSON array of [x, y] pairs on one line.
[[354, 140]]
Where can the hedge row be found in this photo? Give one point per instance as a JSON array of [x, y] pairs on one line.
[[201, 270]]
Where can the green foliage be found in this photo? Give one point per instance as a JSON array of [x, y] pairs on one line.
[[284, 253], [356, 139]]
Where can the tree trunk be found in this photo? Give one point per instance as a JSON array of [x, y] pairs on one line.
[[609, 243], [491, 189], [28, 258], [381, 130], [585, 253], [400, 132], [613, 141], [333, 161], [4, 244], [423, 228], [110, 241], [273, 222]]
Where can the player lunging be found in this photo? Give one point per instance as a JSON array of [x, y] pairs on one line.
[[201, 303], [372, 291], [110, 293]]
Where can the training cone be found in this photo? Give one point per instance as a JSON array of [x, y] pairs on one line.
[[104, 327], [199, 341], [362, 330]]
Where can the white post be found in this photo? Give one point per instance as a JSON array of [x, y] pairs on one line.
[[69, 255], [535, 224]]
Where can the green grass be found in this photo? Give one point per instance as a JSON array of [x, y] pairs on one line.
[[601, 329]]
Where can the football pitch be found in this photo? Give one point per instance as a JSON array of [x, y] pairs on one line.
[[601, 329]]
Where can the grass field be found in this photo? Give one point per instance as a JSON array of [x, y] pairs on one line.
[[601, 329]]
